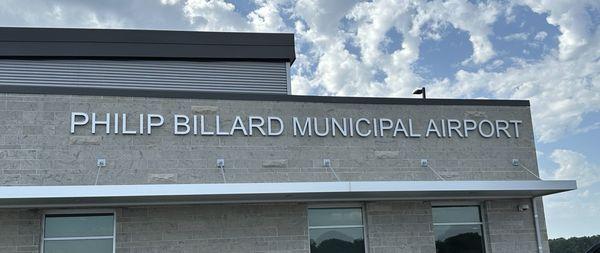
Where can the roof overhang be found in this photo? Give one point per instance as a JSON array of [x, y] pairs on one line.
[[172, 194]]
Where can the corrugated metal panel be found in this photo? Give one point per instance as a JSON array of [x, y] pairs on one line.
[[212, 76]]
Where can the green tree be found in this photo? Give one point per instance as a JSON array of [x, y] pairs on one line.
[[573, 244]]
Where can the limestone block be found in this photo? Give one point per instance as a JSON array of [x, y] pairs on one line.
[[384, 154], [162, 178], [85, 140], [204, 109], [276, 163]]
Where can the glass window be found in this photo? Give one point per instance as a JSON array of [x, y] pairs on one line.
[[458, 229], [456, 214], [78, 233], [87, 246], [336, 230]]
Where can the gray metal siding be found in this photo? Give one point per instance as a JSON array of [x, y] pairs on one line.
[[210, 76]]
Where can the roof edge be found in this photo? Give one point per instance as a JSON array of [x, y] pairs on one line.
[[86, 91]]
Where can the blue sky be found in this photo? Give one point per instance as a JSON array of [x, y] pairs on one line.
[[544, 51]]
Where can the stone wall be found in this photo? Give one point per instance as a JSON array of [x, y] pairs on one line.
[[37, 148], [400, 226], [213, 228], [391, 226], [20, 231], [510, 230]]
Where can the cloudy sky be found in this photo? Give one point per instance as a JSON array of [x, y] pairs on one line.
[[546, 51]]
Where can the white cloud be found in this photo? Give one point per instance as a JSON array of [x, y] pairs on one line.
[[214, 15], [169, 2], [516, 36], [588, 128], [57, 14], [583, 201], [220, 15], [561, 92], [561, 89], [322, 17], [336, 70], [375, 70], [540, 36], [560, 209], [301, 79], [494, 65], [475, 19], [350, 74], [573, 165], [267, 17], [374, 20], [573, 20]]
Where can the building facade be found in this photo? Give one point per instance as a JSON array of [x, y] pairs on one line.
[[161, 141]]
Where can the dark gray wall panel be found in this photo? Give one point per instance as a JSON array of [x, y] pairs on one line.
[[18, 42], [210, 76]]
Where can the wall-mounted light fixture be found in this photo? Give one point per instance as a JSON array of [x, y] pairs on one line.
[[100, 162], [326, 163], [515, 162], [523, 207], [220, 163]]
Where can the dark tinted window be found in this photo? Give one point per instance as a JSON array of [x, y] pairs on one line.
[[595, 249], [79, 226], [334, 216], [79, 233], [76, 246], [458, 230], [336, 230], [456, 214]]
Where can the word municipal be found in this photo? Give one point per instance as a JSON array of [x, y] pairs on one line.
[[214, 125]]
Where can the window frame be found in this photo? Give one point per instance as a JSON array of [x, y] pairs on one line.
[[75, 212], [363, 212], [482, 220]]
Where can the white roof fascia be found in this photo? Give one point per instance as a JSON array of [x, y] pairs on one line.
[[165, 194]]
